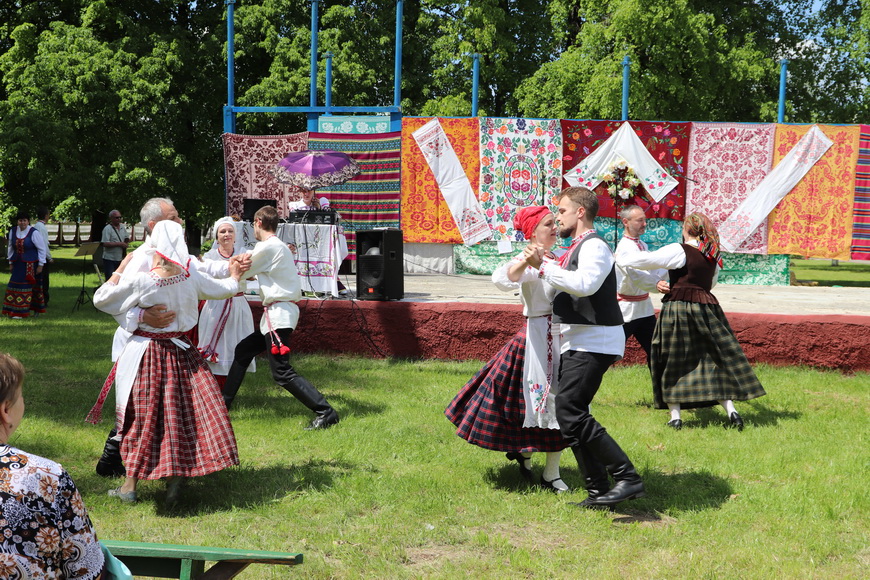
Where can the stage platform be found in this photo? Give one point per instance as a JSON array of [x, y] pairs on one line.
[[463, 317]]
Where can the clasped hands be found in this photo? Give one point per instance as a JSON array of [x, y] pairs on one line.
[[533, 255], [239, 264]]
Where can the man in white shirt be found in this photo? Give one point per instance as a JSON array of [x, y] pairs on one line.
[[280, 288], [584, 286], [633, 286]]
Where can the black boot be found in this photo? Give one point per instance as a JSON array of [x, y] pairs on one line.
[[305, 392], [110, 464], [594, 475], [234, 380], [628, 483]]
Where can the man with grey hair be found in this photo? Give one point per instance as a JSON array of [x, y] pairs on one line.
[[633, 286], [114, 240]]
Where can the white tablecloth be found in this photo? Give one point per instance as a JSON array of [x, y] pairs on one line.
[[320, 249]]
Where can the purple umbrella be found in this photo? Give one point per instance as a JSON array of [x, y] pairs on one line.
[[312, 169]]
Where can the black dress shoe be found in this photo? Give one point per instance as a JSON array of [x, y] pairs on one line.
[[548, 485], [524, 471], [323, 422], [736, 420], [622, 490], [675, 424]]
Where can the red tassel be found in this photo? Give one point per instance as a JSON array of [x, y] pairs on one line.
[[285, 349], [275, 350]]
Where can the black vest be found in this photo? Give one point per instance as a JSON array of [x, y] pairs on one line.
[[599, 309]]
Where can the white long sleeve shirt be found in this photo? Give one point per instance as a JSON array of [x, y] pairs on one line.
[[633, 282]]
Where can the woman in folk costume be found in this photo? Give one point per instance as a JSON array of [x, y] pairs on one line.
[[696, 360], [223, 323], [26, 254], [170, 413], [509, 405]]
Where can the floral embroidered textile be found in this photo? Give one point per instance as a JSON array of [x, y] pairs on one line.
[[861, 218]]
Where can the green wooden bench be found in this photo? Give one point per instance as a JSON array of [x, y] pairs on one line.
[[188, 562]]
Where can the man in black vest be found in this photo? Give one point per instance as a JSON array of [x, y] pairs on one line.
[[584, 286]]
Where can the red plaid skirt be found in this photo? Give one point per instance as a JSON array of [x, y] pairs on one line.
[[490, 408], [176, 422]]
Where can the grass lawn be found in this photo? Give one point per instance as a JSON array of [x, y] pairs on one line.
[[391, 492], [826, 274]]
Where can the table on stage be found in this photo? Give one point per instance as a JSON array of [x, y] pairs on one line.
[[320, 249]]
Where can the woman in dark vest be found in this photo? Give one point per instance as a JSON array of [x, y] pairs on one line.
[[26, 254], [696, 360]]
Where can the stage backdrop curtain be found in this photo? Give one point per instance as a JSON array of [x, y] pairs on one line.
[[249, 161], [861, 218], [725, 163], [426, 218], [520, 165], [667, 142], [815, 218], [659, 231], [371, 199]]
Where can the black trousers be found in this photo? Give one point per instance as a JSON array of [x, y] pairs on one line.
[[642, 329], [45, 281]]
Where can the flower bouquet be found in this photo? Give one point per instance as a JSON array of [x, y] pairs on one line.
[[621, 181]]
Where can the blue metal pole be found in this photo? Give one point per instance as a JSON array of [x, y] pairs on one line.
[[475, 82], [229, 116], [626, 66], [783, 74], [328, 56], [396, 118], [312, 100]]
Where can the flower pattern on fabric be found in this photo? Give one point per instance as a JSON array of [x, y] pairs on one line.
[[426, 217], [520, 165], [659, 232], [726, 162], [815, 219], [667, 142], [46, 529], [861, 219], [755, 269]]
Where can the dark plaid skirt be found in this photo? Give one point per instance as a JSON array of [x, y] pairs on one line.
[[696, 360], [490, 408], [176, 421]]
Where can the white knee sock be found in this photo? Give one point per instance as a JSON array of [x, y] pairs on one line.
[[728, 404], [551, 470], [675, 411]]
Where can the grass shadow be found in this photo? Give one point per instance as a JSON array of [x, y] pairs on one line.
[[757, 415], [668, 492], [280, 404]]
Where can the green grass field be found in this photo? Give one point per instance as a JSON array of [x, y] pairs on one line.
[[391, 492]]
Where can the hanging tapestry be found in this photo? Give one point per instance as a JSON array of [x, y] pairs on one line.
[[426, 218], [815, 218], [371, 199], [248, 162], [798, 158], [520, 165], [754, 270], [861, 219], [483, 258], [726, 162], [659, 232], [666, 142], [353, 124], [452, 182]]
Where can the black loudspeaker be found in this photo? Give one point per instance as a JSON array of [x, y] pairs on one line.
[[379, 265], [250, 207]]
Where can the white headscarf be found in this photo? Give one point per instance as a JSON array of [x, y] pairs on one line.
[[167, 237], [219, 223]]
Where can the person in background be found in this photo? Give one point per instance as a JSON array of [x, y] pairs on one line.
[[42, 215], [223, 323], [509, 405], [115, 240], [273, 264], [26, 254], [696, 359], [308, 201], [45, 526], [633, 286]]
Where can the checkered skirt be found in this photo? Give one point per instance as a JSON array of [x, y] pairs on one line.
[[489, 410], [696, 360], [176, 422]]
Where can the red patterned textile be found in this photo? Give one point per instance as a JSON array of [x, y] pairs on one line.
[[176, 423], [726, 162], [248, 162], [861, 219], [667, 142]]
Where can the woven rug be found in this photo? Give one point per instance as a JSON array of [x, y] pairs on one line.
[[754, 269], [248, 162], [861, 218], [482, 258], [371, 199], [726, 162], [425, 215], [815, 219], [659, 232], [667, 142], [520, 165]]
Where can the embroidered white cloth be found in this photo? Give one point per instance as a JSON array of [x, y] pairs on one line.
[[758, 204], [452, 182], [320, 250], [623, 145]]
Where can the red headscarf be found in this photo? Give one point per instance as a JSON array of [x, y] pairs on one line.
[[528, 218]]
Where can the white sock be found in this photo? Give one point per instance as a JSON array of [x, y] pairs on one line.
[[729, 407], [527, 460], [551, 469], [675, 411]]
